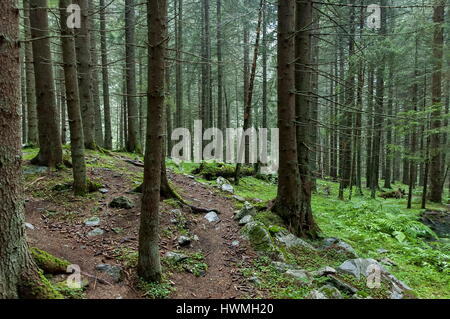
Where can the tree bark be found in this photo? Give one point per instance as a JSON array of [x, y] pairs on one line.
[[82, 42], [50, 153], [73, 103], [105, 76], [133, 144], [436, 185], [149, 266]]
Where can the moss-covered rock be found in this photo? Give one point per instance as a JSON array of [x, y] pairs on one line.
[[211, 170], [261, 241]]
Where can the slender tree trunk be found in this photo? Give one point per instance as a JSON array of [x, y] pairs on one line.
[[436, 185], [149, 266], [83, 42], [30, 84], [73, 103], [220, 111], [133, 144], [179, 65], [105, 77], [99, 139]]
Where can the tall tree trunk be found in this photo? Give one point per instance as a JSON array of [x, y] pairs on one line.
[[83, 42], [436, 186], [379, 102], [99, 140], [133, 144], [30, 84], [179, 65], [73, 103], [149, 266], [19, 275], [248, 101], [295, 210], [105, 77], [50, 152], [220, 111]]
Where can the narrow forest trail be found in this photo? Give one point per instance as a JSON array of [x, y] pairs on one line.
[[66, 236]]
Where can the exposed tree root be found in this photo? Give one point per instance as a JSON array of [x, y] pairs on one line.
[[49, 263]]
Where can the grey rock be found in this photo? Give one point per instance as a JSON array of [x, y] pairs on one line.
[[358, 267], [121, 202], [175, 257], [325, 271], [115, 272], [299, 274], [255, 280], [212, 217], [103, 190], [29, 226], [239, 198], [245, 220], [93, 221], [96, 232], [330, 292], [235, 243], [316, 294], [227, 188], [184, 241], [290, 240], [248, 209], [382, 251], [341, 285], [282, 267], [221, 181], [328, 242], [195, 238]]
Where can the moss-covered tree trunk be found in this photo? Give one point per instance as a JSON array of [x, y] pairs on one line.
[[19, 275]]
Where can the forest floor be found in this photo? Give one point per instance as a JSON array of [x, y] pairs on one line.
[[219, 262]]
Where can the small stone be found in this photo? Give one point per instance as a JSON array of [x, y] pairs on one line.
[[121, 202], [382, 251], [103, 190], [324, 272], [239, 198], [227, 188], [29, 226], [359, 267], [115, 272], [248, 209], [221, 181], [254, 280], [336, 242], [212, 217], [96, 232], [298, 274], [245, 220], [235, 243], [316, 294], [330, 292], [173, 221], [195, 238], [175, 257], [184, 241], [93, 221]]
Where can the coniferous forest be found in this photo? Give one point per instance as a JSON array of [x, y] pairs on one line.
[[224, 149]]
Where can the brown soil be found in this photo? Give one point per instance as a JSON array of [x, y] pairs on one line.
[[66, 236]]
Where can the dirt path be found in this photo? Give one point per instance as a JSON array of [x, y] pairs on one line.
[[69, 240]]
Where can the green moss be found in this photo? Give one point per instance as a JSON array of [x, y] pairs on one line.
[[38, 288], [194, 264], [160, 290], [211, 170], [48, 263], [70, 293]]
